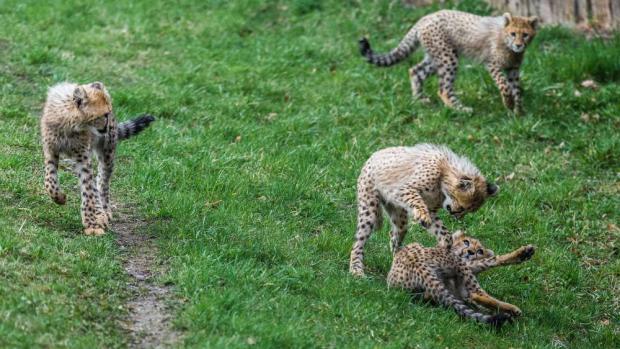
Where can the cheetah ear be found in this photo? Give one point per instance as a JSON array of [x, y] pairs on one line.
[[533, 21], [465, 184], [492, 189], [507, 18], [457, 234], [79, 94]]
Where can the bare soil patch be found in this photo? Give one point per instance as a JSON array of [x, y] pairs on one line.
[[149, 317]]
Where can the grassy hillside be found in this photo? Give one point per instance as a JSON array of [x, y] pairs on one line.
[[266, 113]]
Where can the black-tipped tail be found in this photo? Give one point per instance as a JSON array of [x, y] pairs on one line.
[[133, 127], [365, 48], [403, 50]]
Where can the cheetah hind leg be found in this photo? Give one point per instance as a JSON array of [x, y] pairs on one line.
[[398, 222], [370, 219], [417, 75]]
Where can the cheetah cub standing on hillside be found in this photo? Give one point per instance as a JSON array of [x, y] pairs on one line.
[[78, 119], [415, 182], [448, 276], [497, 42]]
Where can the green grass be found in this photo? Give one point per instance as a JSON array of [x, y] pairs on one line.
[[266, 109]]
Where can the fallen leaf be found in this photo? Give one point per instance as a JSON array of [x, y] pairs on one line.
[[591, 84], [271, 116], [510, 177], [213, 204]]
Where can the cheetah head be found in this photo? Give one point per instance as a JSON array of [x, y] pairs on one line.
[[465, 194], [468, 248], [93, 100], [519, 31]]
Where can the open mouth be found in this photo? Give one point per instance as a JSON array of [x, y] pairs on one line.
[[457, 214]]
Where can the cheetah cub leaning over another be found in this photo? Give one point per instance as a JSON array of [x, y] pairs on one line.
[[448, 276], [78, 119], [415, 182], [497, 42]]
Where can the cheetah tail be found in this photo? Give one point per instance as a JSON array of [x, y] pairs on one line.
[[409, 44], [447, 299], [133, 127]]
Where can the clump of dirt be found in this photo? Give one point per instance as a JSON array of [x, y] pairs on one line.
[[149, 318]]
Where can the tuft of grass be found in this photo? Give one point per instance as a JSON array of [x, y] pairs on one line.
[[265, 114]]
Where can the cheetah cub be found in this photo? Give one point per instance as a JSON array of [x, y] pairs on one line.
[[415, 182], [497, 42], [448, 277], [78, 119]]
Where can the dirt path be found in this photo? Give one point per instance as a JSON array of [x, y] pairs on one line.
[[149, 317]]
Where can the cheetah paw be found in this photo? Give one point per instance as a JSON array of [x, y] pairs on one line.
[[514, 311], [421, 99], [426, 222], [526, 252], [60, 198], [466, 110], [94, 231], [358, 273]]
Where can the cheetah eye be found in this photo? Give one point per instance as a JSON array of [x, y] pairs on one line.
[[513, 34], [480, 251], [466, 243], [525, 35]]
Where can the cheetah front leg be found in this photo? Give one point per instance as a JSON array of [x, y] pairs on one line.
[[502, 85], [517, 256], [105, 157], [515, 90], [447, 74], [438, 229], [93, 217], [416, 207], [52, 185]]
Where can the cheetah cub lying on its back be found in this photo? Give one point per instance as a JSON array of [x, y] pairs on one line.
[[415, 182], [448, 277], [497, 42], [78, 119]]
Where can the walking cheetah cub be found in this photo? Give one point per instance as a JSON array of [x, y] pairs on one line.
[[497, 42], [448, 276], [415, 181], [78, 119]]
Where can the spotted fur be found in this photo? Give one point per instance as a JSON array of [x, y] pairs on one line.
[[497, 42], [448, 276], [78, 120], [415, 182]]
